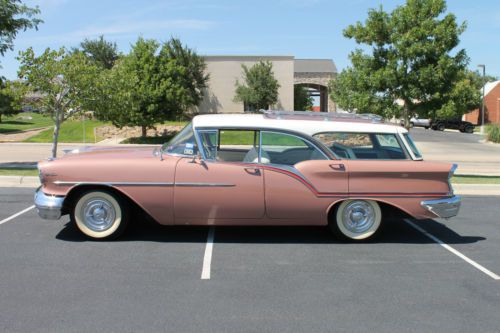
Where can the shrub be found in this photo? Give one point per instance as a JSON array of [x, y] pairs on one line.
[[493, 133]]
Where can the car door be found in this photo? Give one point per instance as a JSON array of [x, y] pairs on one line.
[[219, 184], [300, 178]]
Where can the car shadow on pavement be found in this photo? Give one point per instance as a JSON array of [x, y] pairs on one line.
[[394, 231]]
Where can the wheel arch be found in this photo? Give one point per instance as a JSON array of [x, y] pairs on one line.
[[387, 208], [77, 190]]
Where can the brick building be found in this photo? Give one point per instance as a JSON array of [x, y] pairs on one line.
[[491, 106]]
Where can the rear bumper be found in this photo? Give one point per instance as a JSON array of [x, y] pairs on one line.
[[49, 207], [445, 208]]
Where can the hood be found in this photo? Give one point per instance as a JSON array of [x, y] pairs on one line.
[[89, 152]]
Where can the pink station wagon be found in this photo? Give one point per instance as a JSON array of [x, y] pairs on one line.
[[275, 168]]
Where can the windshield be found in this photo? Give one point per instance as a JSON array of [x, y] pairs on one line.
[[412, 145], [183, 143]]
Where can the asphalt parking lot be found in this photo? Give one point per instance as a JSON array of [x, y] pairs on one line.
[[262, 279]]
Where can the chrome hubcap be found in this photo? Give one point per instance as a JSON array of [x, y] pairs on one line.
[[98, 214], [358, 216]]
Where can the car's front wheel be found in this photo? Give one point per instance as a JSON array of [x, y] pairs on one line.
[[100, 214], [356, 219]]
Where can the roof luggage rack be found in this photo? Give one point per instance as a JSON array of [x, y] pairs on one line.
[[324, 116]]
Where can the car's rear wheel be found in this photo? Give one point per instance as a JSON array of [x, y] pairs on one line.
[[412, 124], [440, 127], [100, 214], [356, 219], [469, 129]]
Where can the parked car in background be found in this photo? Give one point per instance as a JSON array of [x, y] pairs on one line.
[[276, 168], [418, 122], [458, 124]]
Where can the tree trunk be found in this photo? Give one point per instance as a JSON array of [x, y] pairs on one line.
[[406, 115], [55, 137], [144, 131], [0, 118]]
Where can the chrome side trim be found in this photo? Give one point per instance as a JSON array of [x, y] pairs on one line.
[[444, 208], [65, 183], [49, 207], [182, 184]]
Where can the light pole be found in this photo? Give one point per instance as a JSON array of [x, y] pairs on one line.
[[482, 100]]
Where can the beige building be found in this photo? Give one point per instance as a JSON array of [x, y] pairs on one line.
[[226, 70]]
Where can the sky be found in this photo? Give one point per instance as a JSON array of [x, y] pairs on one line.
[[301, 28]]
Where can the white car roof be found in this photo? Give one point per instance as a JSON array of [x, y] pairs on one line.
[[298, 124]]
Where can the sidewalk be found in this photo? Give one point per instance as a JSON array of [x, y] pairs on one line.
[[472, 158], [21, 152]]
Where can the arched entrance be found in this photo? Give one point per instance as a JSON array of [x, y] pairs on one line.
[[319, 93]]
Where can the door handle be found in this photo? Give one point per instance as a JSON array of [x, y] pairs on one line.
[[338, 166], [253, 171]]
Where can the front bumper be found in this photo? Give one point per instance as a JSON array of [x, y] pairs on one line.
[[445, 208], [49, 207]]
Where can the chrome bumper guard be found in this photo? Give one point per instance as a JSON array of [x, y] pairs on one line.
[[445, 208], [49, 207]]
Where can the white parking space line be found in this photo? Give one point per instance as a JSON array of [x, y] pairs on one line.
[[17, 214], [207, 259], [455, 252]]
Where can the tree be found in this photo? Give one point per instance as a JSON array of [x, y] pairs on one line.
[[260, 90], [103, 53], [410, 60], [15, 16], [189, 71], [8, 105], [151, 85], [64, 82], [301, 98]]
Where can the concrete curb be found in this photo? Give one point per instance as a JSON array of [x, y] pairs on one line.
[[461, 189], [19, 181]]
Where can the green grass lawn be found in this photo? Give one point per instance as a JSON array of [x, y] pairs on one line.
[[71, 131], [457, 179], [18, 172], [19, 122]]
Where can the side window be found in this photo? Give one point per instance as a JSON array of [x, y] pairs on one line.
[[387, 140], [238, 146], [366, 146], [209, 143], [345, 145], [282, 148]]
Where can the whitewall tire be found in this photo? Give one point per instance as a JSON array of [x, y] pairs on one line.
[[100, 215], [356, 219]]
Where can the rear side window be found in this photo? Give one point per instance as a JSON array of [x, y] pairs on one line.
[[412, 145], [287, 149], [366, 146]]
